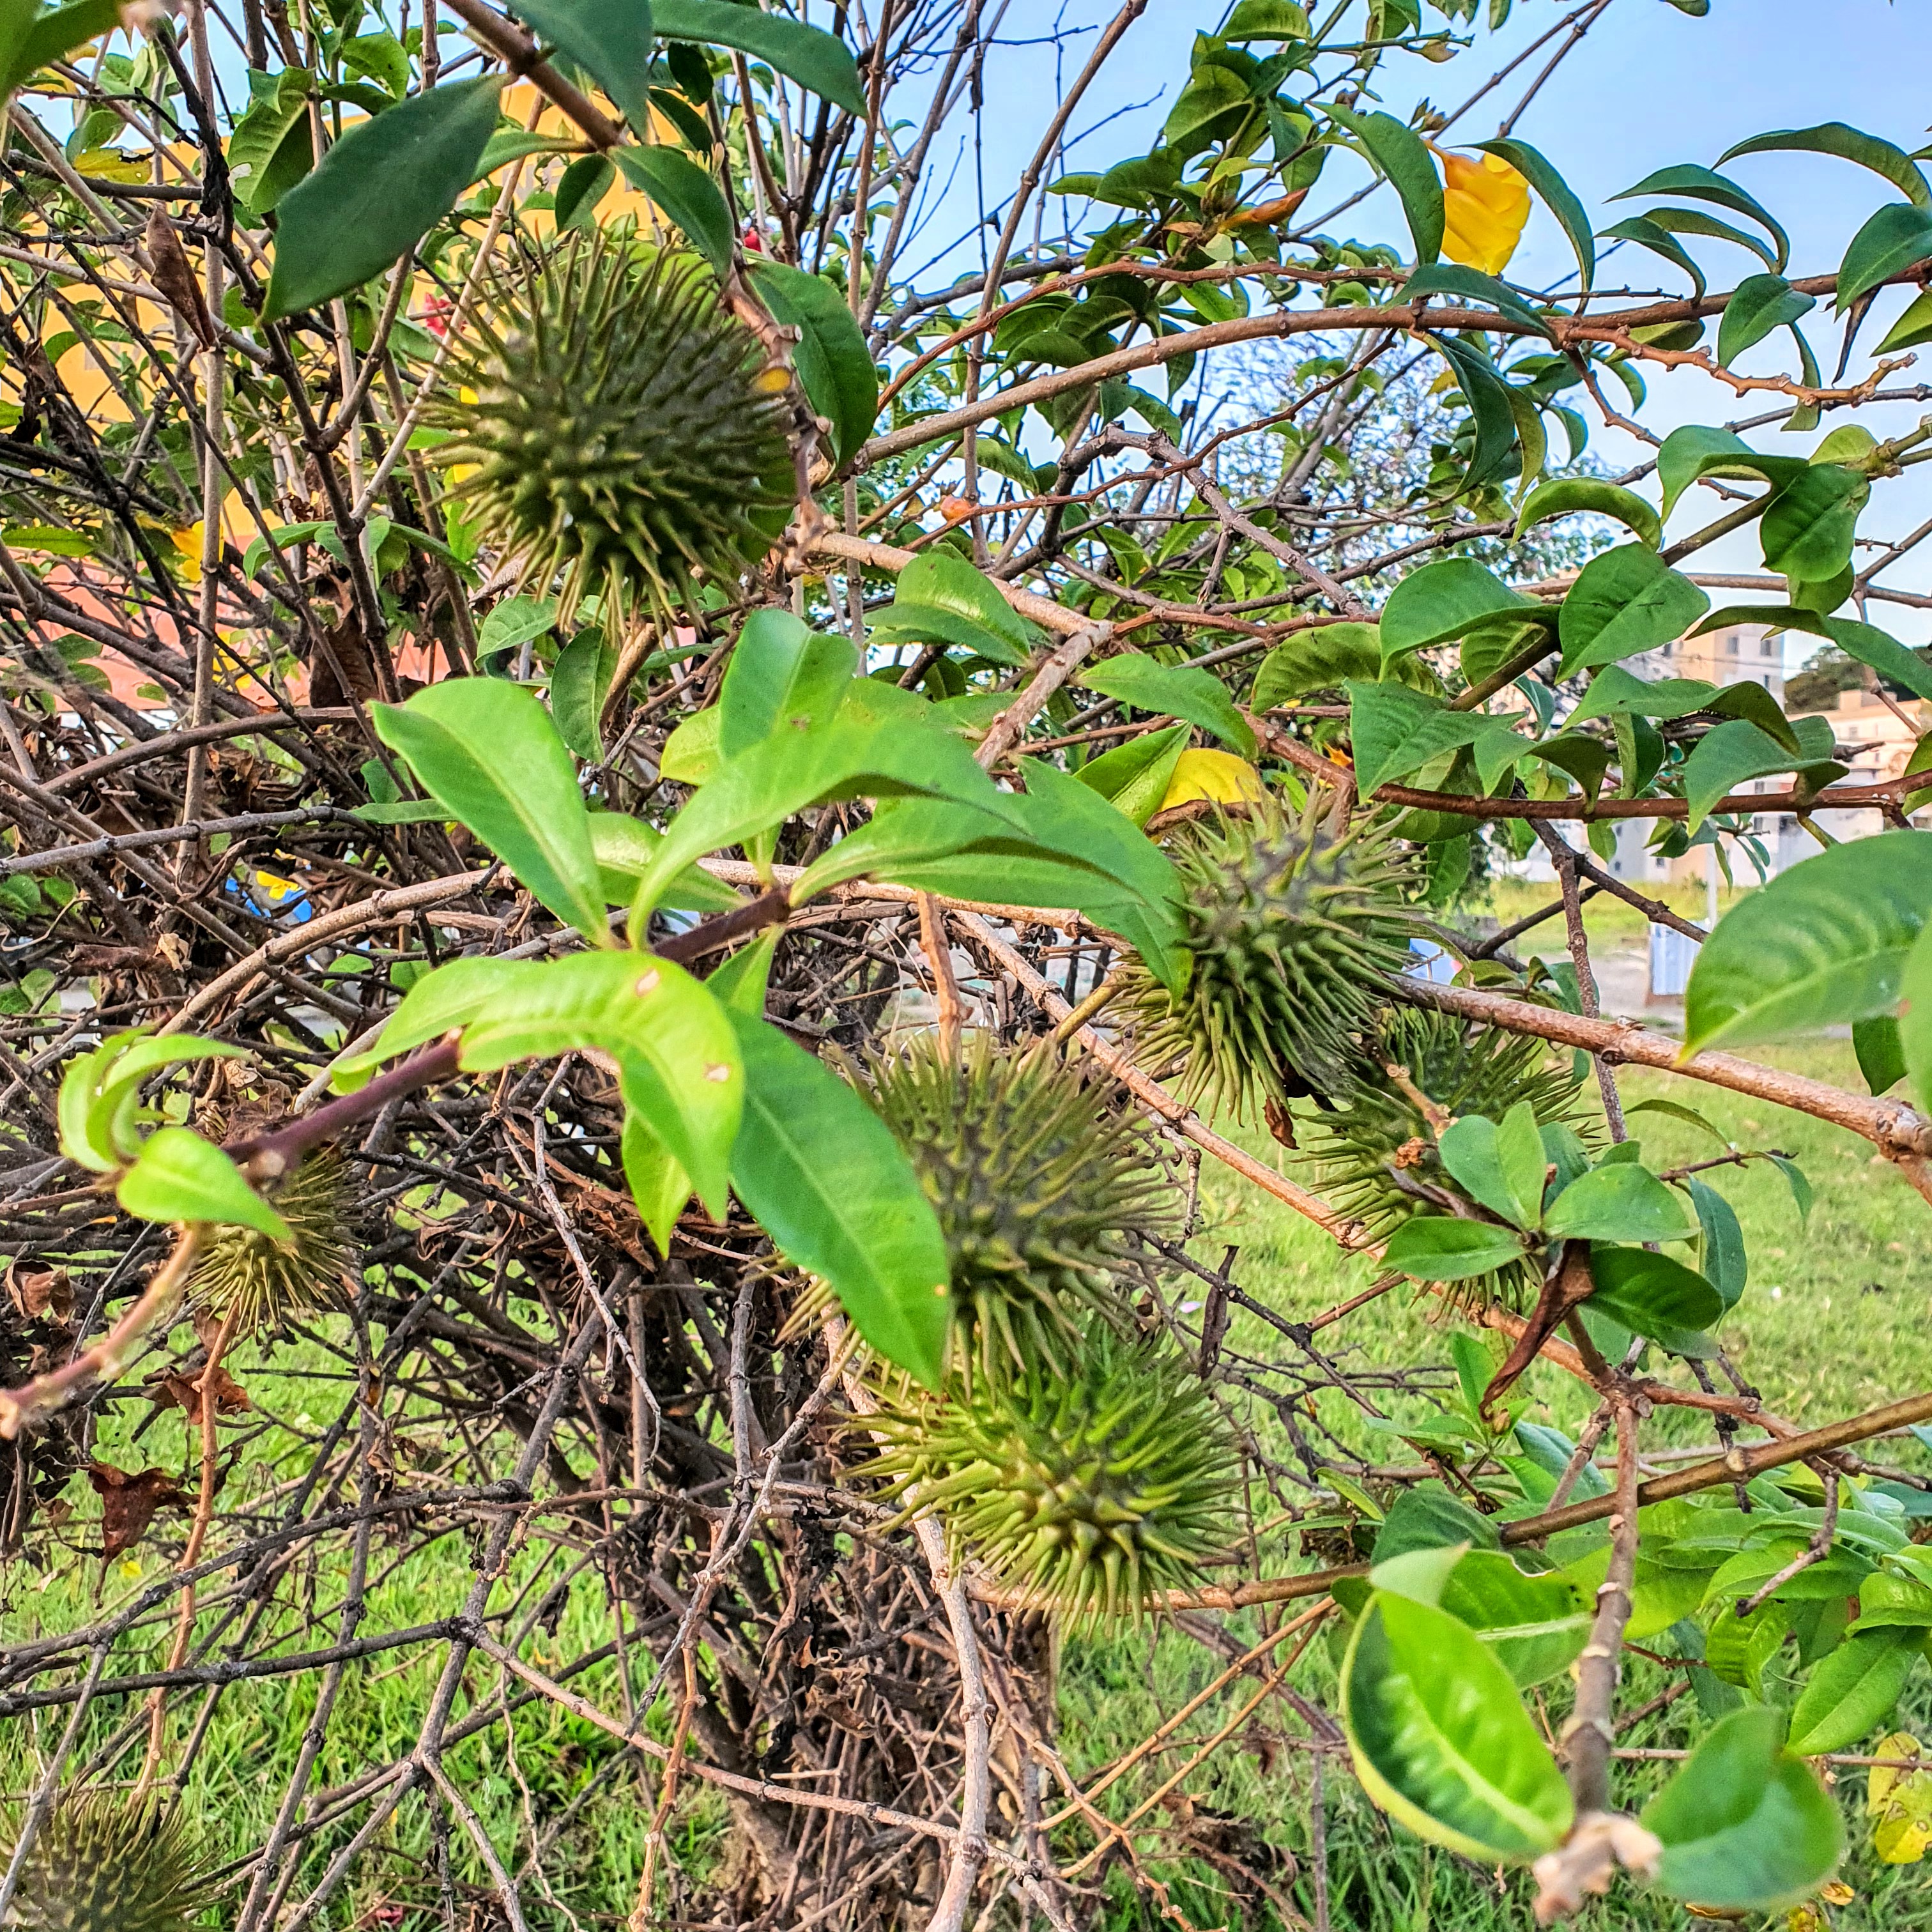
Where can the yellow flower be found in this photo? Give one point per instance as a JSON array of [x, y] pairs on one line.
[[1486, 202], [188, 542], [1218, 775]]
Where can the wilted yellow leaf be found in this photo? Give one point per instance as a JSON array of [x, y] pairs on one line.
[[1218, 775], [1836, 1893], [1485, 204], [1901, 1802]]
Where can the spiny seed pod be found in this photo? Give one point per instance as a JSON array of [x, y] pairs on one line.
[[1088, 1491], [624, 430], [1363, 1153], [1041, 1189], [105, 1863], [1292, 927], [260, 1282]]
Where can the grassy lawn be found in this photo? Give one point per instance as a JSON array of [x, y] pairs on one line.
[[1835, 1319]]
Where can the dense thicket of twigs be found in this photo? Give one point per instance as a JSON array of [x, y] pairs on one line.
[[617, 1479]]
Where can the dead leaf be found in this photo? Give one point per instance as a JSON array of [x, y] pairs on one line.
[[175, 277], [38, 1291], [128, 1502], [184, 1392]]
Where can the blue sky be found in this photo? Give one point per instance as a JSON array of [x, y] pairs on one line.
[[1649, 86]]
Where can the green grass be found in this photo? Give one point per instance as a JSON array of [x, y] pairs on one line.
[[1835, 1320]]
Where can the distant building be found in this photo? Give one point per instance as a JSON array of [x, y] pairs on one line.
[[1738, 654], [1874, 738]]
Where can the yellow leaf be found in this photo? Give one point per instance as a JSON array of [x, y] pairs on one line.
[[1901, 1802], [1485, 204], [1218, 775], [1836, 1893]]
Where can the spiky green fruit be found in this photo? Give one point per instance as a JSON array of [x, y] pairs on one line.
[[1043, 1190], [1088, 1490], [264, 1283], [1371, 1155], [626, 433], [1293, 928], [106, 1863]]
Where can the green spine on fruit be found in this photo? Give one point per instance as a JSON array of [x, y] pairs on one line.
[[1043, 1191], [626, 434], [1358, 1151], [1292, 928], [263, 1283], [1088, 1491], [105, 1863]]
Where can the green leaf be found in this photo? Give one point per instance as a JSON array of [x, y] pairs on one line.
[[782, 675], [37, 39], [1268, 20], [1693, 221], [1721, 1253], [1744, 1824], [691, 755], [515, 621], [1898, 237], [684, 193], [1180, 691], [1427, 1517], [625, 846], [658, 1185], [843, 759], [1617, 1202], [1535, 1627], [1808, 526], [1889, 1602], [1759, 305], [831, 357], [1449, 599], [1853, 1691], [815, 59], [1695, 450], [99, 1105], [1452, 278], [1502, 1167], [1848, 144], [585, 183], [1911, 329], [1649, 234], [1733, 753], [677, 1057], [1437, 1247], [1441, 1740], [1614, 692], [580, 682], [1493, 405], [1880, 1050], [180, 1176], [1651, 1294], [1625, 601], [1556, 195], [611, 40], [942, 597], [1134, 777], [1325, 658], [278, 117], [488, 750], [444, 1001], [1700, 183], [1915, 1023], [1395, 731], [378, 192], [1565, 495], [829, 1184], [1822, 944]]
